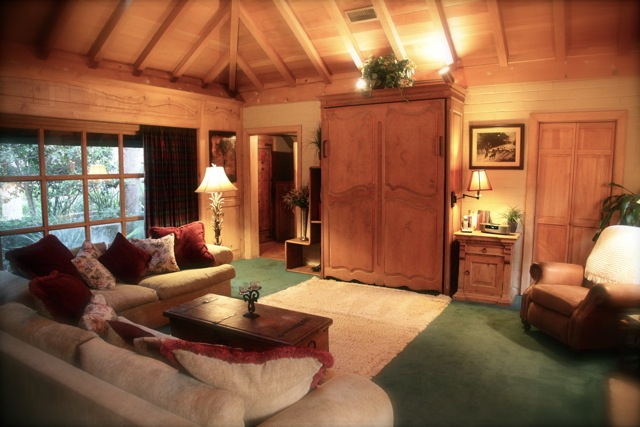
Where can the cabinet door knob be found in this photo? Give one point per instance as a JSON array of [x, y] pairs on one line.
[[484, 250], [466, 273]]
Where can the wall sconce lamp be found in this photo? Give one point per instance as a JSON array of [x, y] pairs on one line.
[[478, 181], [215, 181], [447, 76]]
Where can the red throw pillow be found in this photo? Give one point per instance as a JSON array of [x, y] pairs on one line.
[[190, 247], [43, 257], [124, 260], [64, 296]]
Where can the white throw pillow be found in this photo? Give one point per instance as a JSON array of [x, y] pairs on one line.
[[615, 258]]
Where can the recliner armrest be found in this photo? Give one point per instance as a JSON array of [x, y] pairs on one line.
[[557, 273], [615, 295]]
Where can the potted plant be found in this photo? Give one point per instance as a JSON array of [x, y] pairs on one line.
[[512, 216], [387, 72], [299, 197], [626, 205]]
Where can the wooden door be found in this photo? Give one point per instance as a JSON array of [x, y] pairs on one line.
[[575, 166], [349, 193], [265, 211], [412, 188]]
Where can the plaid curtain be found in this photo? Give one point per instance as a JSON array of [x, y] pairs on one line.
[[171, 176]]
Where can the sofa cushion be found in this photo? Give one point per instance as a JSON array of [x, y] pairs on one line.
[[163, 258], [124, 297], [14, 288], [55, 338], [190, 247], [94, 274], [124, 260], [64, 296], [267, 381], [170, 285], [43, 257], [563, 299], [161, 384]]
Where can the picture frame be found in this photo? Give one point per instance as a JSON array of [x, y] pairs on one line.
[[496, 146], [222, 152]]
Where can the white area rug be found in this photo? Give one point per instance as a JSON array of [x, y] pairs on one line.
[[371, 324]]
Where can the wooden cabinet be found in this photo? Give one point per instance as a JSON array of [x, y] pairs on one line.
[[302, 256], [387, 164], [487, 272]]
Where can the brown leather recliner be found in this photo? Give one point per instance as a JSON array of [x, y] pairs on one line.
[[574, 310]]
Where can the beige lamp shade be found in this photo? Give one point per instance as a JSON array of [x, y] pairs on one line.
[[215, 180], [479, 181]]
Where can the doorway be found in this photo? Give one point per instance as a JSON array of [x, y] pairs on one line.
[[273, 167]]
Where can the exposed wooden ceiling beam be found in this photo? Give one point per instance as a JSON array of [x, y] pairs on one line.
[[221, 16], [296, 27], [53, 27], [559, 27], [389, 28], [141, 63], [262, 40], [347, 37], [233, 44], [441, 25], [244, 65], [217, 69], [97, 49], [498, 32]]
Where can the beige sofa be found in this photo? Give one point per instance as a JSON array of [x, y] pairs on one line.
[[145, 302], [57, 374]]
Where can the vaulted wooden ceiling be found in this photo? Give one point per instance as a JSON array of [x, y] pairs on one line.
[[253, 45]]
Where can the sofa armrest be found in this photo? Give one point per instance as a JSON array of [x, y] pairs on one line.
[[345, 400], [557, 273], [222, 254]]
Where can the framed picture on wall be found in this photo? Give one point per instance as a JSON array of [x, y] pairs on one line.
[[496, 146], [222, 152]]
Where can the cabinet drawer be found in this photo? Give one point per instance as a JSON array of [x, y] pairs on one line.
[[484, 249]]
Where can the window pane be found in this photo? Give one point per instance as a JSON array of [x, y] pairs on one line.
[[134, 196], [104, 199], [20, 205], [135, 229], [133, 154], [62, 152], [16, 241], [102, 153], [105, 233], [19, 152], [65, 202], [71, 237]]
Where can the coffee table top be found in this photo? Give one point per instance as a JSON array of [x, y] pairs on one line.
[[278, 325]]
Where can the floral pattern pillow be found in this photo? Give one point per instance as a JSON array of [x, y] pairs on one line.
[[163, 257], [95, 275], [96, 315]]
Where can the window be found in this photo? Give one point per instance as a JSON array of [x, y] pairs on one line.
[[78, 184]]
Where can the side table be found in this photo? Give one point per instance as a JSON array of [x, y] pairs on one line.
[[489, 267]]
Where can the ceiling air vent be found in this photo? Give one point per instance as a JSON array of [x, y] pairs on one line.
[[361, 15]]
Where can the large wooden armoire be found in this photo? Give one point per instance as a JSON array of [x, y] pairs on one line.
[[389, 163]]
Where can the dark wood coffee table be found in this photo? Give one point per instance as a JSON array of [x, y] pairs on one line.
[[218, 319]]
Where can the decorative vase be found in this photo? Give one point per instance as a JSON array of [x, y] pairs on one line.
[[513, 226], [304, 214]]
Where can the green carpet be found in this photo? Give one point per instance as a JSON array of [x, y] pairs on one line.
[[475, 366]]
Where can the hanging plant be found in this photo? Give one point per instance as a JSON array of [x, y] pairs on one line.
[[387, 72]]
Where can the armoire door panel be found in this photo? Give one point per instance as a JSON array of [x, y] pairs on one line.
[[350, 245], [591, 177], [551, 242], [411, 143], [557, 136], [581, 243], [411, 245], [353, 149]]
